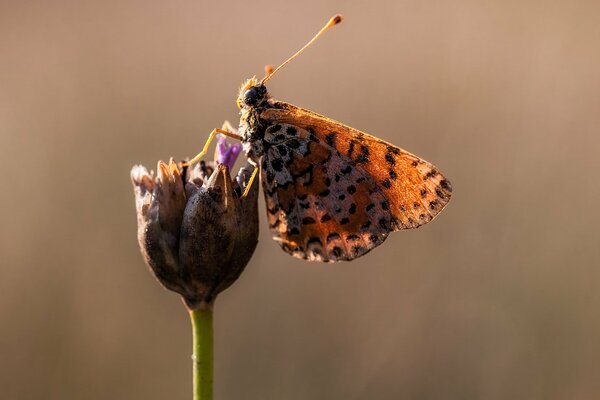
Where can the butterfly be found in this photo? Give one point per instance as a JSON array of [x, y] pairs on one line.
[[332, 192]]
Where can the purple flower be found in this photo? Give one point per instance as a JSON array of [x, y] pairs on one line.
[[227, 153]]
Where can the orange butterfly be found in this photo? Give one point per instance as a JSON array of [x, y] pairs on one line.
[[332, 192]]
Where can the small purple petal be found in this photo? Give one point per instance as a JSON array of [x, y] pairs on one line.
[[227, 153]]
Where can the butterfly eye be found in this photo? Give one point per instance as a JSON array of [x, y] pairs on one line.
[[254, 96]]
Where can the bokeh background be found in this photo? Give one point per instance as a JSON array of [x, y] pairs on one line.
[[497, 299]]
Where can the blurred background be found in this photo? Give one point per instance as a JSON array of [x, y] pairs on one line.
[[497, 299]]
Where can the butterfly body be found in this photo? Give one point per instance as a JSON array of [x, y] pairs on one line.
[[332, 192]]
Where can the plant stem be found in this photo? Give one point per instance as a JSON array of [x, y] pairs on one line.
[[202, 356]]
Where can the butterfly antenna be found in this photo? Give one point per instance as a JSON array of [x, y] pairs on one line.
[[336, 19]]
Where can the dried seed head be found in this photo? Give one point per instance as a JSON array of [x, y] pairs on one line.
[[195, 230], [219, 233]]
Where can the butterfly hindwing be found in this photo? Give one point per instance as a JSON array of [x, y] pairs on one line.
[[319, 206], [414, 190]]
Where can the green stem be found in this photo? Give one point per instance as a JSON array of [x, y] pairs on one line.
[[202, 357]]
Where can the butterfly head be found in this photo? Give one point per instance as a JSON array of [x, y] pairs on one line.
[[252, 94]]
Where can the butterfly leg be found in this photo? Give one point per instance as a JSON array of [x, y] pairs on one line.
[[250, 181], [208, 141]]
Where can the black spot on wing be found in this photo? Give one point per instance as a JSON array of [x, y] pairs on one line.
[[330, 139], [325, 218], [337, 252], [389, 157], [308, 221], [445, 184], [282, 149], [363, 157], [393, 150], [277, 164], [274, 128], [431, 174], [293, 144], [333, 236], [351, 147]]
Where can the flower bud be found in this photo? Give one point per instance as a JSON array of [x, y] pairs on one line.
[[227, 153], [195, 230]]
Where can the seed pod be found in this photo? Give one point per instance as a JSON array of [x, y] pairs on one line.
[[196, 234]]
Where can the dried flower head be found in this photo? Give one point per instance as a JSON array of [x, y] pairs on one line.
[[195, 230]]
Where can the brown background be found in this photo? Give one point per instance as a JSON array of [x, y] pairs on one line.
[[497, 299]]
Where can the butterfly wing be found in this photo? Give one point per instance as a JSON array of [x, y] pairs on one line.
[[319, 207], [414, 190]]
